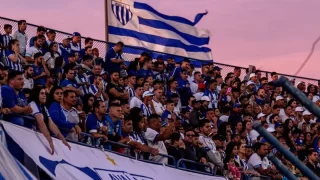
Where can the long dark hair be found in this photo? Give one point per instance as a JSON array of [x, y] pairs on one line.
[[11, 43], [34, 96], [51, 51], [85, 99], [50, 98]]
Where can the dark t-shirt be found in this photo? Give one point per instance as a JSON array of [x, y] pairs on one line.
[[119, 88]]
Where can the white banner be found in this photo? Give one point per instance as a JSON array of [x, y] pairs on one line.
[[84, 162]]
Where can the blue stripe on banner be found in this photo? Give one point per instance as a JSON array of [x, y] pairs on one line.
[[138, 50], [144, 6], [122, 15], [162, 25], [156, 39]]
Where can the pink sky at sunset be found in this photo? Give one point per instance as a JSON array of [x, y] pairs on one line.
[[275, 35]]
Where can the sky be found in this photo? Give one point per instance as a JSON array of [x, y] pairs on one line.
[[273, 35]]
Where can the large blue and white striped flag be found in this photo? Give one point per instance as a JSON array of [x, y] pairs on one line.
[[138, 24]]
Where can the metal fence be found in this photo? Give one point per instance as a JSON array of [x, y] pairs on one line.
[[102, 46]]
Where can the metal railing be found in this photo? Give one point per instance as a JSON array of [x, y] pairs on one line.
[[134, 51]]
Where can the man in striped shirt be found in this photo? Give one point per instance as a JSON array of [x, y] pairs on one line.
[[5, 39], [96, 89], [131, 83], [75, 43]]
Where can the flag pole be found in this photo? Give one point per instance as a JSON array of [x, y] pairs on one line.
[[106, 23]]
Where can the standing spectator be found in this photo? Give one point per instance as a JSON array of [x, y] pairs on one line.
[[312, 163], [31, 51], [21, 36], [4, 41], [185, 65], [195, 115], [194, 84], [75, 43], [40, 69], [156, 101], [40, 31], [28, 77], [146, 71], [156, 139], [13, 57], [212, 93], [147, 107], [113, 59], [51, 37]]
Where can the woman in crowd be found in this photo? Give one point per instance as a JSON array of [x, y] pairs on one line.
[[51, 56], [40, 113], [14, 60], [88, 100]]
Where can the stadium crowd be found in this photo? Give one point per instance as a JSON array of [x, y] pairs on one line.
[[157, 106]]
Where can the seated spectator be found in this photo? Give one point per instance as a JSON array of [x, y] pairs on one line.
[[114, 122], [126, 138], [114, 90], [147, 107], [88, 100], [63, 114], [69, 83], [14, 59], [168, 113], [136, 101], [131, 85], [52, 54], [156, 101], [14, 99], [40, 69], [313, 162], [156, 139], [88, 43], [210, 143], [34, 50], [27, 77], [43, 119], [176, 148], [96, 89], [96, 123], [40, 31], [195, 115]]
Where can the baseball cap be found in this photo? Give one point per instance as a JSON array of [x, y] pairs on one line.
[[252, 75], [298, 109], [250, 83], [147, 93], [260, 115], [306, 113], [300, 82], [205, 98], [66, 37], [279, 98], [217, 68], [76, 34]]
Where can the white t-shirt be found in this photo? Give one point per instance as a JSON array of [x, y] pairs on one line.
[[135, 102], [159, 108], [50, 61], [224, 118], [254, 162], [194, 87], [28, 83], [31, 51], [150, 136]]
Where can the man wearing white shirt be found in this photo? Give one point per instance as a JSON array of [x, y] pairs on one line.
[[31, 51], [136, 101], [194, 84], [156, 139], [27, 77], [21, 36], [158, 106]]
